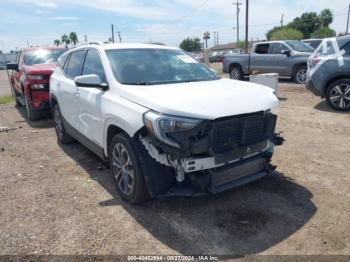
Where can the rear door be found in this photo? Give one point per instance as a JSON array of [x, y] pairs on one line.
[[90, 99], [260, 59], [67, 90]]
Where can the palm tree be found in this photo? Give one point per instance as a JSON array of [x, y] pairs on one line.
[[73, 38], [57, 42], [65, 40]]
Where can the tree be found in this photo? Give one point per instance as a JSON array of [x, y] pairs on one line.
[[191, 44], [57, 42], [270, 32], [65, 40], [323, 32], [326, 17], [287, 33], [73, 38], [307, 23]]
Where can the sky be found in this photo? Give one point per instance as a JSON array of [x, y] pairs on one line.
[[40, 22]]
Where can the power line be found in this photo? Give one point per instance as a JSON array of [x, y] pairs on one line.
[[191, 12]]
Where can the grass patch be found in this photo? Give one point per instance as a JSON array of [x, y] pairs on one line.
[[6, 99]]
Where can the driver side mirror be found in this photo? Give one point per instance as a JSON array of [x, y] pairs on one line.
[[93, 81], [12, 66], [285, 52]]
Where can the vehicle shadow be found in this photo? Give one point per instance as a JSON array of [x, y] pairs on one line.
[[45, 122], [323, 106], [243, 221]]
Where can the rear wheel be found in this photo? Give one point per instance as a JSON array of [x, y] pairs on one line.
[[32, 115], [127, 170], [338, 95], [62, 135], [236, 73], [300, 75]]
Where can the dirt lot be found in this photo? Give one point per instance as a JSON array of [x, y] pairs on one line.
[[61, 199]]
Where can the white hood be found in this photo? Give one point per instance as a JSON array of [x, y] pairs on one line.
[[205, 100]]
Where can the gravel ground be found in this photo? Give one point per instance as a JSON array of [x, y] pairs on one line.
[[61, 199], [4, 84]]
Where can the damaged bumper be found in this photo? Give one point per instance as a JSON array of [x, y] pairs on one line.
[[218, 155]]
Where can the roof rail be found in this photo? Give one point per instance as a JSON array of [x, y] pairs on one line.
[[89, 43]]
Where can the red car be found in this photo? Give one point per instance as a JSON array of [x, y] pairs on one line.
[[30, 78]]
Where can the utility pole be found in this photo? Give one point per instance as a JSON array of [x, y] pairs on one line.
[[238, 10], [347, 23], [215, 38], [85, 38], [282, 20], [119, 36], [246, 25], [112, 26]]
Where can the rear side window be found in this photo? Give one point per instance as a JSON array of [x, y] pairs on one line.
[[93, 65], [62, 60], [75, 62], [262, 49], [346, 47]]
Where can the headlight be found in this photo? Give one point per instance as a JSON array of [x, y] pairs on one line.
[[38, 86], [160, 125], [35, 77]]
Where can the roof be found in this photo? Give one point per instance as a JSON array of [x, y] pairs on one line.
[[110, 46], [224, 46]]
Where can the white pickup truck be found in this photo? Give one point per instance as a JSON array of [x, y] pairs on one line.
[[167, 124]]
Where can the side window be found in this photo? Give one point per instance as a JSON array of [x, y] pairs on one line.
[[262, 49], [93, 65], [62, 60], [347, 49], [278, 48], [75, 62]]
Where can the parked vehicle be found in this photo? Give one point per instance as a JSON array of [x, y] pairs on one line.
[[287, 58], [314, 43], [329, 72], [30, 78], [216, 56], [165, 122], [2, 65]]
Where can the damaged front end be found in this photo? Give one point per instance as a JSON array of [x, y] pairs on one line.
[[210, 156]]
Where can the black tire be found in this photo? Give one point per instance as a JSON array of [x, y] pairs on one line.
[[338, 95], [236, 73], [300, 74], [129, 178], [62, 136], [32, 115]]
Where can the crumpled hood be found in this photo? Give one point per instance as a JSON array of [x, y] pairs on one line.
[[205, 100], [44, 69]]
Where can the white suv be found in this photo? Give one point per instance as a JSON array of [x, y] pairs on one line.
[[166, 123]]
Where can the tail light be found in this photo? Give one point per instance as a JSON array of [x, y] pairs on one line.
[[314, 61]]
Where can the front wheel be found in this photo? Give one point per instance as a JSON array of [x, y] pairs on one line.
[[126, 170], [338, 95], [300, 75]]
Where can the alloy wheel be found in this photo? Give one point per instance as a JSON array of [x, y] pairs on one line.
[[301, 75], [235, 74], [123, 169], [339, 96]]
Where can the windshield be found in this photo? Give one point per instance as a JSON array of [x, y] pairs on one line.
[[42, 56], [156, 66], [299, 46]]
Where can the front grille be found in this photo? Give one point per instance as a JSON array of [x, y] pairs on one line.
[[228, 175], [239, 133]]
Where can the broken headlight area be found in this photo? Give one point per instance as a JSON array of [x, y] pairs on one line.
[[204, 150]]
